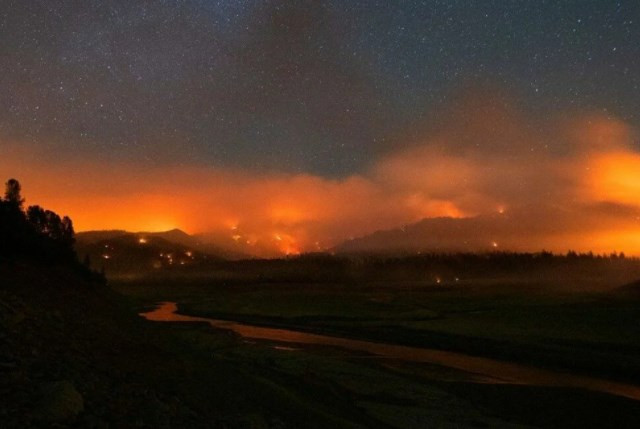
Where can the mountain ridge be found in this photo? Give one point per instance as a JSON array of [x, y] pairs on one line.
[[439, 234]]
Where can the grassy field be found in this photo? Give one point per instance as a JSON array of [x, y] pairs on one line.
[[591, 333]]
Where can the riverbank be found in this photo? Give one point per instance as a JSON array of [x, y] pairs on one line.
[[492, 371], [402, 393], [592, 334], [75, 354]]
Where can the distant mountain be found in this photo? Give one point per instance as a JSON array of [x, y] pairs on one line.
[[120, 251], [124, 252], [443, 234], [94, 236], [203, 243], [175, 235], [237, 245]]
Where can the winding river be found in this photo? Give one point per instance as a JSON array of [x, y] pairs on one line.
[[493, 371]]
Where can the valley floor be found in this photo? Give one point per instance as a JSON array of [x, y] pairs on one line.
[[76, 354], [590, 334]]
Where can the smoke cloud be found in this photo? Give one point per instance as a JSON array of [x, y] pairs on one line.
[[573, 182]]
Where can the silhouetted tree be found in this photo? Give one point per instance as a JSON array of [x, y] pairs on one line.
[[68, 234], [12, 193], [37, 218], [37, 235], [53, 225]]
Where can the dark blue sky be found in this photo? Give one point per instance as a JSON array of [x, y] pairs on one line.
[[301, 86]]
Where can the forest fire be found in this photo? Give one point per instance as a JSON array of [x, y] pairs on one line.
[[367, 213]]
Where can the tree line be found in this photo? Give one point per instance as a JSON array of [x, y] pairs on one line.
[[35, 234]]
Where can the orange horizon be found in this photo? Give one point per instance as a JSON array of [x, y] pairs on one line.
[[587, 194]]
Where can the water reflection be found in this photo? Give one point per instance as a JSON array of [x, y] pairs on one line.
[[492, 370]]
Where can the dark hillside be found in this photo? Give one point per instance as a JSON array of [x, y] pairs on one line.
[[75, 354], [129, 253], [70, 353]]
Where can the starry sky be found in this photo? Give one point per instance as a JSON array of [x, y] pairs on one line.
[[241, 93], [307, 86]]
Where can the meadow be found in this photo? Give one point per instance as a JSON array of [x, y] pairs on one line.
[[591, 331]]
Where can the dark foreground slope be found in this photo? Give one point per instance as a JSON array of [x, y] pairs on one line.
[[74, 354], [71, 355]]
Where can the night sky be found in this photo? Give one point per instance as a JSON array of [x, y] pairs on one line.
[[332, 92], [310, 86]]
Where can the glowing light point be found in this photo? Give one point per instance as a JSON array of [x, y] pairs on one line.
[[142, 240], [494, 244]]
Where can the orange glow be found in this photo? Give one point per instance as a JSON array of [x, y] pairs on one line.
[[627, 240], [231, 224], [287, 244], [616, 177], [426, 207], [288, 214], [589, 187], [312, 209]]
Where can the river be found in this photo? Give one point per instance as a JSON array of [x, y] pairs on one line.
[[491, 370]]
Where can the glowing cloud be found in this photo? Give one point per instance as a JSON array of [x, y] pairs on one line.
[[565, 183]]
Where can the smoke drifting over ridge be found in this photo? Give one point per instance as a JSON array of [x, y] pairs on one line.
[[569, 183]]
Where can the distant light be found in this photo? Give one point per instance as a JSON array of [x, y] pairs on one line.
[[457, 279], [277, 237], [188, 253], [142, 240], [494, 244], [236, 237], [106, 256], [501, 210], [438, 280]]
